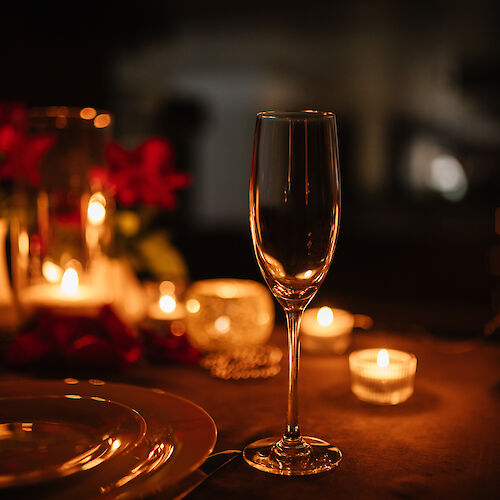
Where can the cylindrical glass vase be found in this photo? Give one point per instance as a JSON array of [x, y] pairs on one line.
[[63, 221]]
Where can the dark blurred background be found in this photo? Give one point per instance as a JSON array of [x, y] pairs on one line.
[[416, 89]]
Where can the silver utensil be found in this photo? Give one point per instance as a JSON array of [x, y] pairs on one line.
[[182, 488], [211, 465]]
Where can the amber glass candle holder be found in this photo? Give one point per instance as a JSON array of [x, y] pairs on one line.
[[225, 314]]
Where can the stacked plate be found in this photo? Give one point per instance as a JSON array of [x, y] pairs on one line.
[[75, 439]]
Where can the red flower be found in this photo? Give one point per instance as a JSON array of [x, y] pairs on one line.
[[168, 348], [13, 114], [104, 342], [20, 153], [28, 348], [145, 175], [119, 335]]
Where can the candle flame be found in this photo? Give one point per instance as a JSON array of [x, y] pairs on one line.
[[325, 316], [383, 358], [167, 303], [69, 282], [96, 211]]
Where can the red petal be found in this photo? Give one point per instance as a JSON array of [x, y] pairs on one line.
[[92, 351], [27, 348]]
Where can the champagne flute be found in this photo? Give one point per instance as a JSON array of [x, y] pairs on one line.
[[294, 219]]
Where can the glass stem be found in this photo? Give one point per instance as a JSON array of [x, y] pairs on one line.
[[292, 433]]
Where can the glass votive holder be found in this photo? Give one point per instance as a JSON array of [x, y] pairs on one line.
[[225, 314], [326, 331], [62, 224], [382, 376]]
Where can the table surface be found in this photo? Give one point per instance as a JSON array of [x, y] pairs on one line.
[[443, 442]]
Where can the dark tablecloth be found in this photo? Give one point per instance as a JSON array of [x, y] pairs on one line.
[[441, 443]]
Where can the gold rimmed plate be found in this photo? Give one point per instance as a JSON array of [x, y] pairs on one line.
[[96, 439]]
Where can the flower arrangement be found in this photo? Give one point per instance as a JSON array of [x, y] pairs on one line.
[[103, 342], [144, 183]]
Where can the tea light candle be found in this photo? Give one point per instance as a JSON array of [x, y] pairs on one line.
[[164, 311], [68, 297], [382, 376], [166, 308], [326, 330]]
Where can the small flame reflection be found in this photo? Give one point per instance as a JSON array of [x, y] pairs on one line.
[[116, 444], [222, 324]]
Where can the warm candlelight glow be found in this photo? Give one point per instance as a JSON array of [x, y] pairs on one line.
[[305, 275], [24, 243], [102, 121], [275, 266], [63, 292], [224, 314], [222, 324], [88, 113], [164, 306], [227, 291], [382, 376], [383, 358], [69, 282], [167, 288], [326, 330], [325, 316], [116, 444], [193, 306], [96, 212], [167, 303], [51, 272]]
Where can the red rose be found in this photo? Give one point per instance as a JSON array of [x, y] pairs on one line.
[[145, 175], [104, 342], [161, 349]]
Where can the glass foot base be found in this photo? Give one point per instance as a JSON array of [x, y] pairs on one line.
[[310, 456]]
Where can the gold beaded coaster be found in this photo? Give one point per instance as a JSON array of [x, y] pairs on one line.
[[244, 363]]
